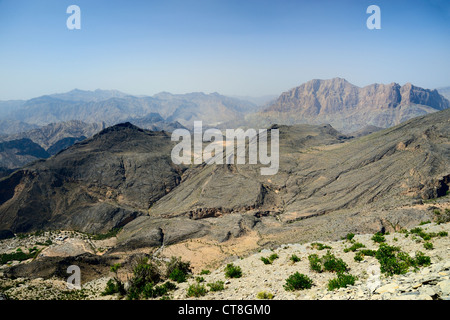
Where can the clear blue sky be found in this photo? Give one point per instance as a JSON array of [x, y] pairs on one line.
[[234, 47]]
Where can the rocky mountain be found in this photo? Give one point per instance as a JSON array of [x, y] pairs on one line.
[[112, 107], [445, 91], [50, 135], [327, 185], [17, 153], [87, 96], [95, 185], [348, 107], [154, 122], [8, 127]]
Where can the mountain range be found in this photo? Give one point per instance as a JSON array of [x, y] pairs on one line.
[[327, 185], [350, 108], [55, 122]]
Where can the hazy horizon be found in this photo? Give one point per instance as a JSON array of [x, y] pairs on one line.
[[236, 48]]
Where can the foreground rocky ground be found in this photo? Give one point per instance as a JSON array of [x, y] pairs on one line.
[[260, 280]]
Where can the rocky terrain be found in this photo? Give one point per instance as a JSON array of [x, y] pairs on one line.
[[349, 108], [258, 280], [96, 185]]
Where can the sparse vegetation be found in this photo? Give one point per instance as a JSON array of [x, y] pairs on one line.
[[114, 286], [270, 259], [110, 234], [378, 237], [298, 281], [341, 281], [354, 247], [196, 290], [264, 295], [328, 262], [350, 236], [19, 255], [178, 270], [319, 246], [428, 245], [232, 271], [294, 258], [394, 261], [216, 286]]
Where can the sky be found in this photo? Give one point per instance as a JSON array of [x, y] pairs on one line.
[[234, 47]]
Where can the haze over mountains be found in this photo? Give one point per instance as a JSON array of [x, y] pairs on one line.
[[123, 176], [349, 108], [54, 122], [93, 175]]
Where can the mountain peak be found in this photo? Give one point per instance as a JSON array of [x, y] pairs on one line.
[[349, 108]]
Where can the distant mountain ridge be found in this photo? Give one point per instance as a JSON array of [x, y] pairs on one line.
[[350, 108], [112, 107]]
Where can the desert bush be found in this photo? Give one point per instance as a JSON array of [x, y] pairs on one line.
[[319, 246], [114, 286], [378, 237], [216, 286], [232, 271], [264, 295], [355, 247], [315, 263], [297, 281], [341, 281], [428, 245], [178, 270], [333, 264], [196, 290], [270, 259]]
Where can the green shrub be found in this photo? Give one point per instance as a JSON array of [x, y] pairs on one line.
[[178, 270], [349, 236], [113, 286], [199, 279], [110, 234], [196, 290], [145, 275], [368, 252], [333, 264], [265, 260], [115, 267], [294, 258], [232, 271], [178, 276], [19, 255], [342, 281], [443, 234], [315, 263], [204, 271], [355, 247], [378, 237], [264, 295], [297, 281], [421, 260], [319, 246], [428, 245], [442, 217], [358, 257], [271, 258], [392, 260], [424, 222], [216, 286]]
